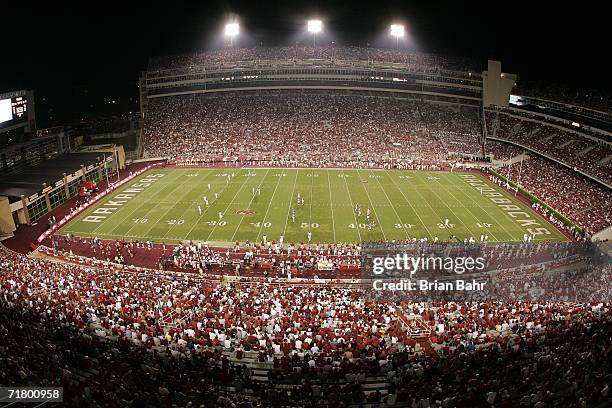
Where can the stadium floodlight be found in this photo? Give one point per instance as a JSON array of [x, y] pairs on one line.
[[314, 27], [231, 31], [397, 31]]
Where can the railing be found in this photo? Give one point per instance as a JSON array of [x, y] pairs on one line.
[[415, 326]]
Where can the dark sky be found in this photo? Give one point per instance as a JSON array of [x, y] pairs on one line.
[[78, 57]]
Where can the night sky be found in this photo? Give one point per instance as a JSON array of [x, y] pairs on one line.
[[79, 57]]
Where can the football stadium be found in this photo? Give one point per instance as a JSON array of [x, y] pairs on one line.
[[318, 224]]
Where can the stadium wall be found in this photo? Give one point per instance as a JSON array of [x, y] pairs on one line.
[[561, 123], [7, 224], [472, 101], [604, 235]]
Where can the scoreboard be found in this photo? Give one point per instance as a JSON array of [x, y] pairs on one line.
[[15, 109]]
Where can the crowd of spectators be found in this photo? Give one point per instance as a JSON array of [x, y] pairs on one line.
[[322, 129], [111, 339], [577, 198], [310, 128], [271, 257], [419, 62], [422, 62], [588, 155], [502, 151]]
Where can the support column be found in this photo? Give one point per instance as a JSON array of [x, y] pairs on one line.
[[26, 214], [66, 189], [47, 200]]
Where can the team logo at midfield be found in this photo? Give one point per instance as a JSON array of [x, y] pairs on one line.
[[247, 211]]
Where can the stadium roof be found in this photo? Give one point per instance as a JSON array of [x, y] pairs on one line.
[[31, 179]]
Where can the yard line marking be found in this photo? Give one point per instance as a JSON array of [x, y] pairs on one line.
[[310, 199], [352, 207], [145, 201], [451, 210], [249, 206], [410, 204], [180, 185], [209, 207], [199, 184], [558, 234], [448, 192], [331, 205], [392, 206], [372, 204], [291, 201], [228, 206], [268, 209], [426, 202], [502, 225]]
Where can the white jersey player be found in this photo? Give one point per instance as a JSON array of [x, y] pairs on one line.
[[200, 210], [220, 215], [309, 236]]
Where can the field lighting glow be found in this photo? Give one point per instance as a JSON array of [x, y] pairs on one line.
[[315, 26], [232, 29], [397, 30]]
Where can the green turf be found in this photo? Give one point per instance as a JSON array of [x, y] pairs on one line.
[[404, 204]]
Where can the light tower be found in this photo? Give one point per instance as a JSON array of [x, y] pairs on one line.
[[314, 27], [231, 31], [397, 31]]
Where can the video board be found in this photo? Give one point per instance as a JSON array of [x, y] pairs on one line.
[[13, 109]]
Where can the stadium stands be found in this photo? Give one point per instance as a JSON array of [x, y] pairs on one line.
[[584, 201], [591, 98], [332, 129], [131, 323], [312, 128], [419, 61], [182, 339], [563, 145]]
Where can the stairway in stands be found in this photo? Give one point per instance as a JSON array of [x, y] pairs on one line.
[[416, 328], [427, 348]]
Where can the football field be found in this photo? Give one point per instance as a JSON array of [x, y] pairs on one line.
[[169, 205]]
